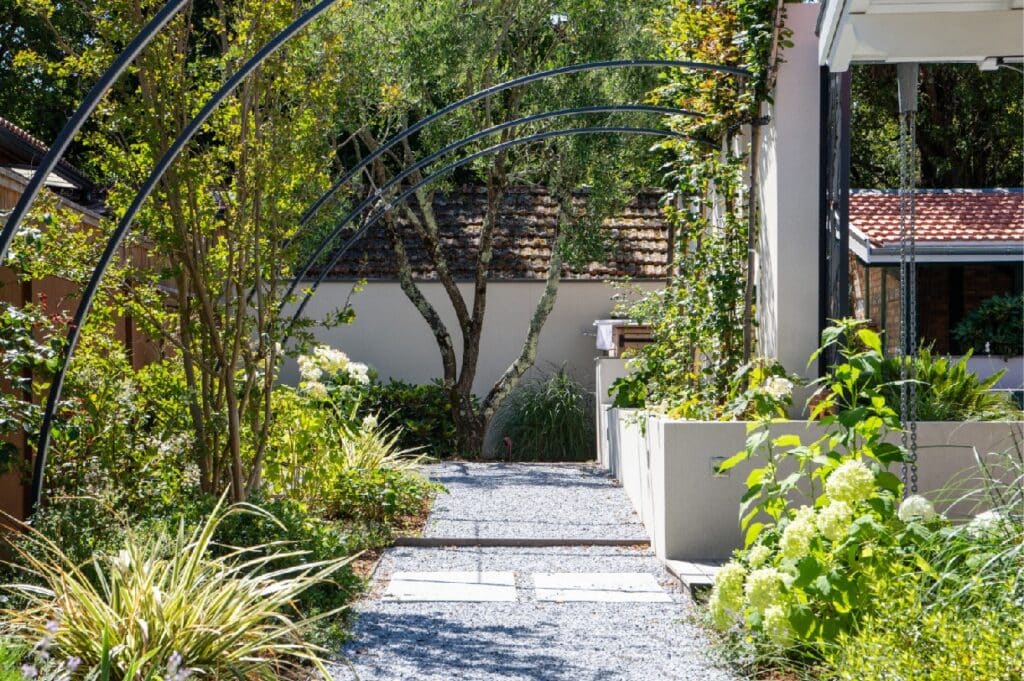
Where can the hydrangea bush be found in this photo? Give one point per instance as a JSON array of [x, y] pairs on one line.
[[820, 519], [827, 531]]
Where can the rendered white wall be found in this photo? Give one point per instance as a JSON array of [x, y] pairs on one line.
[[390, 335], [787, 189], [666, 470]]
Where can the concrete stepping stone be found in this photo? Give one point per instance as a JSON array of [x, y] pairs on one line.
[[470, 585], [599, 587]]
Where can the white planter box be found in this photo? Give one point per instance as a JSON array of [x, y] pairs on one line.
[[984, 366], [692, 514]]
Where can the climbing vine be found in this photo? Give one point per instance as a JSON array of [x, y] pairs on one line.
[[702, 321]]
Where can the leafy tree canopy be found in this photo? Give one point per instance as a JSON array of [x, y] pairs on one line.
[[970, 127]]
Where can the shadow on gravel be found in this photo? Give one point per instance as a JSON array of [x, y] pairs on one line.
[[510, 475], [431, 646]]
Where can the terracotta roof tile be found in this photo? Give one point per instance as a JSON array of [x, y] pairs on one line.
[[941, 215], [521, 242]]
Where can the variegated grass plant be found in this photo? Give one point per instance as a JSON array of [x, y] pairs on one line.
[[167, 606]]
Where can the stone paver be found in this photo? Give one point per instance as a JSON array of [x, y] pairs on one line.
[[462, 585], [598, 587]]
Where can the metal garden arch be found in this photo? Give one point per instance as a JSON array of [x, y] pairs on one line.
[[113, 74]]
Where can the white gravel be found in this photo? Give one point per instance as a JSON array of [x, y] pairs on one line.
[[527, 639], [533, 501]]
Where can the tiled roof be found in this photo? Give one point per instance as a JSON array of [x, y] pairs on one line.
[[941, 215], [522, 248], [22, 150], [24, 135]]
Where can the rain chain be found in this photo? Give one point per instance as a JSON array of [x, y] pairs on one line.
[[907, 78]]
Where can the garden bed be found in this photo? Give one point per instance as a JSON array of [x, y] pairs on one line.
[[667, 470]]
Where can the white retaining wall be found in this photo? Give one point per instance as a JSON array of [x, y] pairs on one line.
[[667, 469], [391, 336]]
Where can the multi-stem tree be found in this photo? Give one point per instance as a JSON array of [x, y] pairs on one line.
[[410, 59], [221, 215]]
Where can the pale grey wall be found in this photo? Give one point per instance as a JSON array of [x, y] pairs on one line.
[[390, 335], [788, 253], [666, 469]]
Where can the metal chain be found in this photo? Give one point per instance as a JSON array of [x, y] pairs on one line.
[[901, 348], [912, 347], [908, 298]]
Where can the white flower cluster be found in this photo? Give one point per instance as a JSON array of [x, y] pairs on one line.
[[778, 388], [727, 595], [327, 361], [798, 534], [987, 524], [916, 507], [764, 588], [834, 520], [851, 482]]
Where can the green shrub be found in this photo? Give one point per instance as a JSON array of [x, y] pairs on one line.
[[907, 641], [423, 413], [855, 579], [378, 495], [10, 661], [550, 418], [166, 602], [996, 326], [948, 390]]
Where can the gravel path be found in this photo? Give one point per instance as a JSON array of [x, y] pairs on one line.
[[564, 501], [527, 639]]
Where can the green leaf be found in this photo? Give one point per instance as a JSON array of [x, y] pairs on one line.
[[870, 339], [888, 481], [808, 569], [786, 441], [732, 461], [753, 532]]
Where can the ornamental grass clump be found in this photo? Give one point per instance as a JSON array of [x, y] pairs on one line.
[[166, 607]]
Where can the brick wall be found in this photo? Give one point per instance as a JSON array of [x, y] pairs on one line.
[[945, 294]]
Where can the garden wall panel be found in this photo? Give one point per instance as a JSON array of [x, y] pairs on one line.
[[692, 514]]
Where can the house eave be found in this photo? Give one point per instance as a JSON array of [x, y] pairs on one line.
[[893, 31], [937, 252]]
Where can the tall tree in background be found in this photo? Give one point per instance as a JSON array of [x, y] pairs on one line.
[[970, 127], [220, 216], [410, 59]]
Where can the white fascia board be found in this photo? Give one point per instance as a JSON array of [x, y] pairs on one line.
[[937, 252], [941, 37], [892, 31]]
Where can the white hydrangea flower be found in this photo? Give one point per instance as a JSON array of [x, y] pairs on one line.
[[798, 534], [332, 361], [359, 372], [778, 387], [764, 588], [834, 520], [309, 369], [315, 389], [776, 623], [986, 524], [758, 555], [916, 507], [727, 594], [852, 482]]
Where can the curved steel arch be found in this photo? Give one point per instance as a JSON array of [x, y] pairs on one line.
[[78, 119], [124, 225], [375, 217], [494, 89], [419, 165]]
